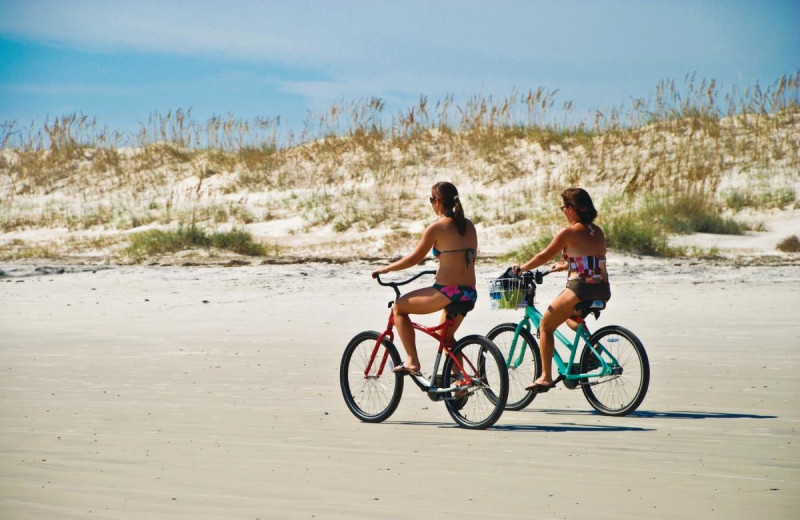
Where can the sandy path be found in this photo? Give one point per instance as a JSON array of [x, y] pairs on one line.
[[125, 396]]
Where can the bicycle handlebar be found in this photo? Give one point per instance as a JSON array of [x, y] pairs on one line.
[[395, 285], [537, 275]]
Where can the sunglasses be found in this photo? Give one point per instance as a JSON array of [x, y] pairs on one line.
[[432, 199]]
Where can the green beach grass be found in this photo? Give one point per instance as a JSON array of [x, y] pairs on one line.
[[157, 242]]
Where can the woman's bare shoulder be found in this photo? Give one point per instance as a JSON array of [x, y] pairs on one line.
[[566, 234], [437, 226]]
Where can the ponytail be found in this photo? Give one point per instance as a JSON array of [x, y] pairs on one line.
[[458, 216], [447, 193]]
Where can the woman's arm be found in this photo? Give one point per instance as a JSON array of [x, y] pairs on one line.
[[415, 257], [556, 245]]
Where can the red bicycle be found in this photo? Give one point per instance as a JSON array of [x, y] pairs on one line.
[[472, 382]]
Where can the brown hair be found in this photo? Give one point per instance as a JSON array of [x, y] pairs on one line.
[[581, 202], [447, 194]]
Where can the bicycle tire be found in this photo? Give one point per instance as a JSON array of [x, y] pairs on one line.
[[372, 398], [484, 402], [616, 394], [526, 372]]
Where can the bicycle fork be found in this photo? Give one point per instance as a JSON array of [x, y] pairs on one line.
[[514, 358]]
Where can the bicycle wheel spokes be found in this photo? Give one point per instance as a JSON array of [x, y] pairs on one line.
[[624, 389], [524, 363], [479, 404], [370, 393]]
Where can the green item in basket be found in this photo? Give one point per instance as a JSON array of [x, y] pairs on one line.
[[506, 292], [510, 298]]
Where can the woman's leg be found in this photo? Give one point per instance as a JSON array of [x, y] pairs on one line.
[[421, 301], [557, 313], [449, 338]]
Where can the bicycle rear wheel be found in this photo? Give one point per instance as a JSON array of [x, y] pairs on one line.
[[623, 391], [521, 371], [480, 405], [371, 394]]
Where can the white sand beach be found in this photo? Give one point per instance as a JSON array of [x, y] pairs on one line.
[[212, 392]]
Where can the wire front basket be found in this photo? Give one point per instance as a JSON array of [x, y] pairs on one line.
[[507, 293]]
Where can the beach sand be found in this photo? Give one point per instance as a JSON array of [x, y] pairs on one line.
[[213, 393]]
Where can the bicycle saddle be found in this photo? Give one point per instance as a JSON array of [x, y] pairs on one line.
[[590, 307], [459, 308]]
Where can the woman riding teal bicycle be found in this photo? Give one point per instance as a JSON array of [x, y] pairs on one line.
[[582, 245], [453, 240]]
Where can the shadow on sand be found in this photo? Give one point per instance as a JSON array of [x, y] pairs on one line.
[[563, 427], [574, 427], [641, 414], [645, 414], [568, 427]]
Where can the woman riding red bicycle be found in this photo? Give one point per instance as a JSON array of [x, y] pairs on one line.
[[453, 240]]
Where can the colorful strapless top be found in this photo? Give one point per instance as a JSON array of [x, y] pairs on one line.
[[590, 268]]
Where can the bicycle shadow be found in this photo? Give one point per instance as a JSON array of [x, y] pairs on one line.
[[643, 414], [560, 428], [699, 415], [678, 414], [575, 427], [568, 427]]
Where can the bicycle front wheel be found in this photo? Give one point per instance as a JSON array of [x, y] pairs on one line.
[[370, 389], [479, 405], [524, 363], [624, 389]]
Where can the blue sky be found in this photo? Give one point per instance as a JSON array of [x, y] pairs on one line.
[[122, 60]]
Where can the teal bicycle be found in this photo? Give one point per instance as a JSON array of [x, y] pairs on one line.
[[609, 366]]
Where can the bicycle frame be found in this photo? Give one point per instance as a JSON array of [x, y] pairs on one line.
[[565, 371], [439, 333], [469, 376]]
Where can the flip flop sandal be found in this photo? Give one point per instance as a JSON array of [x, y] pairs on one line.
[[404, 370]]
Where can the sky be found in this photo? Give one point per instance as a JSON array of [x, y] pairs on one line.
[[120, 61]]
